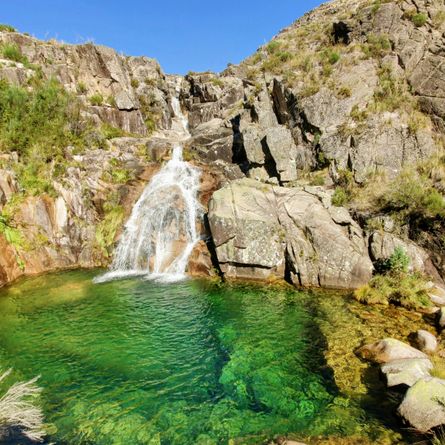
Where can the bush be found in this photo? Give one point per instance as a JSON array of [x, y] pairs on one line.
[[332, 57], [377, 46], [407, 290], [343, 92], [38, 123], [81, 88], [107, 229], [419, 19], [217, 82], [11, 234], [411, 195], [96, 99], [7, 28], [12, 52], [340, 197], [399, 261], [134, 83], [111, 101], [110, 132], [150, 125], [273, 46]]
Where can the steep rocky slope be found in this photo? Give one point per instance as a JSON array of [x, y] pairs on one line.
[[304, 139]]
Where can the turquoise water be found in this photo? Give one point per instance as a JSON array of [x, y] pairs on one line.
[[135, 362]]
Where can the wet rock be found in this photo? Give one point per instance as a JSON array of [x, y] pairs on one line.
[[406, 371], [426, 341], [389, 349], [423, 404]]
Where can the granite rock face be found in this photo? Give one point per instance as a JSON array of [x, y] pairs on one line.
[[127, 85], [263, 230]]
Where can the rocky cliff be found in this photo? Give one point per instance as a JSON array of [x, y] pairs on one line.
[[303, 147]]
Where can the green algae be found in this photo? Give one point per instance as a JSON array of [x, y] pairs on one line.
[[197, 362]]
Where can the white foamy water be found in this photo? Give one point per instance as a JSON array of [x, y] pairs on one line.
[[161, 232]]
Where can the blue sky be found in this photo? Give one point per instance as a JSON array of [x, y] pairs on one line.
[[187, 35]]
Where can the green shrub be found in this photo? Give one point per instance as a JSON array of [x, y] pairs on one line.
[[134, 83], [107, 229], [273, 46], [217, 82], [121, 175], [150, 125], [340, 197], [81, 88], [412, 196], [399, 261], [96, 99], [12, 52], [12, 235], [333, 57], [343, 92], [110, 132], [419, 19], [377, 46], [407, 290], [391, 94], [7, 28], [42, 117], [38, 123], [284, 56]]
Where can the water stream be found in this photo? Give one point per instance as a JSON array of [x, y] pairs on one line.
[[161, 231]]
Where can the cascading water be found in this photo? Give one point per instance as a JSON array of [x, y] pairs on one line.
[[161, 232]]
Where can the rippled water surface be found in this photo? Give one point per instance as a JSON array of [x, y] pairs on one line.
[[135, 362]]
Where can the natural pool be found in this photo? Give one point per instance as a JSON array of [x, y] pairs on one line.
[[136, 362]]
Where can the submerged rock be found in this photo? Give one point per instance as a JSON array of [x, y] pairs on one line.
[[406, 371], [423, 405], [389, 349]]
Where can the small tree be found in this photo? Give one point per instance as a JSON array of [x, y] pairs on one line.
[[399, 261]]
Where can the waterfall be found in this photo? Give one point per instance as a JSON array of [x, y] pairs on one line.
[[161, 232]]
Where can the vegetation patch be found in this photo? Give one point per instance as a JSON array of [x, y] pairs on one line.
[[38, 123], [7, 28], [396, 285], [12, 52], [97, 100], [419, 19], [110, 132], [107, 229]]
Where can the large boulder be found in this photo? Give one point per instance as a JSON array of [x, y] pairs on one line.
[[426, 341], [258, 229], [406, 371], [423, 405], [389, 349]]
